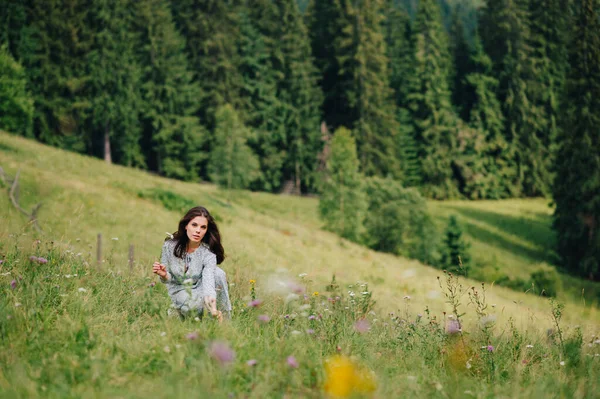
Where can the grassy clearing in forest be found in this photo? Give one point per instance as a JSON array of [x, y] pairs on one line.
[[108, 340]]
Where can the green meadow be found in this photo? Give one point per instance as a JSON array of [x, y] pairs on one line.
[[71, 327]]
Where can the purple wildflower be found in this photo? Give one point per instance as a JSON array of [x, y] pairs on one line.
[[312, 317], [42, 260], [221, 352], [264, 318], [310, 331], [490, 348], [152, 284], [193, 336], [292, 362], [252, 362], [13, 284], [453, 327], [295, 288], [255, 303], [1, 261], [362, 326], [33, 258]]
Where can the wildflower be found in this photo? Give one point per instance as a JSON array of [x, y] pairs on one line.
[[152, 284], [252, 281], [1, 261], [255, 303], [221, 352], [33, 258], [13, 284], [450, 316], [17, 304], [316, 293], [468, 364], [312, 317], [453, 327], [562, 363], [344, 378], [252, 362], [488, 320], [490, 348], [264, 318], [362, 326], [167, 349], [351, 293], [302, 275], [81, 289], [310, 331], [529, 346], [192, 336], [295, 332], [292, 362], [169, 235], [162, 334], [115, 238], [295, 288], [407, 297], [338, 348]]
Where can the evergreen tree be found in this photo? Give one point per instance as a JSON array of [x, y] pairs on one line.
[[171, 133], [261, 69], [210, 28], [16, 104], [577, 184], [429, 103], [13, 22], [455, 255], [506, 36], [232, 164], [52, 46], [342, 204], [462, 95], [331, 37], [399, 51], [113, 88], [486, 168], [301, 95], [370, 95]]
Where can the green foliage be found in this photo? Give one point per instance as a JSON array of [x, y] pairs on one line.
[[16, 104], [342, 204], [232, 164], [546, 282], [171, 134], [428, 101], [577, 183], [455, 252], [398, 221], [169, 199], [113, 87]]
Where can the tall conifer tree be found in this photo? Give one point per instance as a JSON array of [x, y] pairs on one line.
[[577, 185], [430, 105], [171, 132], [113, 88]]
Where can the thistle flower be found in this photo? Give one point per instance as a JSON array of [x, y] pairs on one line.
[[310, 331], [264, 318], [192, 336], [255, 303], [221, 352], [252, 362], [13, 284], [362, 326], [453, 327], [292, 362], [490, 348]]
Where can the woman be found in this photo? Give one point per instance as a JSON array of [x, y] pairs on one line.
[[188, 266]]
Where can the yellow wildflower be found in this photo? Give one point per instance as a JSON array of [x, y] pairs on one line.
[[316, 293], [252, 281], [344, 378]]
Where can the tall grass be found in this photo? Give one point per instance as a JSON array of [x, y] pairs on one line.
[[68, 329]]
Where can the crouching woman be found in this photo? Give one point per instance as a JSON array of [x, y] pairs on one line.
[[188, 267]]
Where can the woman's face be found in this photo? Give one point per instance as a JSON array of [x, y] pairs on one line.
[[196, 229]]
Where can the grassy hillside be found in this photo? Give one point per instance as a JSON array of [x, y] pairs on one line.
[[71, 328], [262, 233]]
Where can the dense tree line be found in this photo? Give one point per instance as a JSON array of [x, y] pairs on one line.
[[458, 99]]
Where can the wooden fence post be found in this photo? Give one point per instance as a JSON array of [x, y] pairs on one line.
[[131, 258], [99, 252]]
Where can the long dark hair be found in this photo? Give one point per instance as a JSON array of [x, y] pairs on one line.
[[212, 237]]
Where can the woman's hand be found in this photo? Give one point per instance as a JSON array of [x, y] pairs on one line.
[[160, 269], [211, 304]]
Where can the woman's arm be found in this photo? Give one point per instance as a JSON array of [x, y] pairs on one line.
[[208, 283]]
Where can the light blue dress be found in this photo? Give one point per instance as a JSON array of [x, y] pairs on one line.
[[202, 279]]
